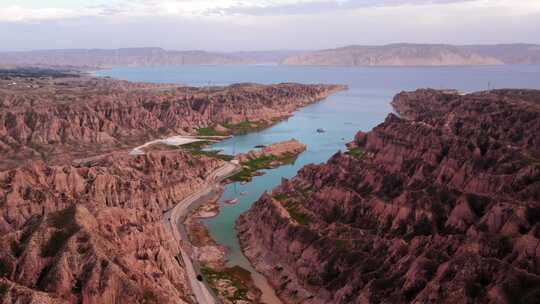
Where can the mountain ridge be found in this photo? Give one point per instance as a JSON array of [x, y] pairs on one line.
[[396, 54]]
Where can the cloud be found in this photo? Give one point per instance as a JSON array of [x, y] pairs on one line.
[[322, 6], [195, 8], [264, 24]]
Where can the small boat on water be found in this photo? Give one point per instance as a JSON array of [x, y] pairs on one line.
[[231, 201], [321, 130], [243, 193]]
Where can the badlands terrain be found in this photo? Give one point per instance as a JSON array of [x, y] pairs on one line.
[[440, 204], [81, 219]]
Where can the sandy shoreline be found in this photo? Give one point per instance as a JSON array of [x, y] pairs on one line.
[[178, 140]]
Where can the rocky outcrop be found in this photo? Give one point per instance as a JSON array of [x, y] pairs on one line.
[[69, 118], [440, 205], [95, 234], [278, 150]]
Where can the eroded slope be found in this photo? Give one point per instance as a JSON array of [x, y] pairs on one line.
[[441, 207]]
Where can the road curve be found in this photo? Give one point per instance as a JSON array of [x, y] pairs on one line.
[[176, 217]]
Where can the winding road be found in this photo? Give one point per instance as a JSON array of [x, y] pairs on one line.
[[176, 217]]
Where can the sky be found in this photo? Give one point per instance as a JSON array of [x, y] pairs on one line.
[[233, 25]]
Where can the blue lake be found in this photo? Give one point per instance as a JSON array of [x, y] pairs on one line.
[[362, 107]]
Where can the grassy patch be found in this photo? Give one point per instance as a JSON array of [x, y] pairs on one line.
[[209, 131], [356, 152], [244, 175], [250, 168], [149, 297], [259, 163], [282, 197], [297, 215], [246, 127], [238, 278], [196, 148]]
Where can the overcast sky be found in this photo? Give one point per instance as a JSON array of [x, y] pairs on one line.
[[229, 25]]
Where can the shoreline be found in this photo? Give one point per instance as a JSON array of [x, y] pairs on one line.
[[176, 218], [281, 153]]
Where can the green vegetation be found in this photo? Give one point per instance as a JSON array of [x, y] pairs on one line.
[[64, 222], [356, 152], [282, 197], [246, 127], [149, 297], [209, 131], [293, 209], [251, 166], [239, 128], [341, 245], [196, 148], [3, 288], [297, 215], [238, 277]]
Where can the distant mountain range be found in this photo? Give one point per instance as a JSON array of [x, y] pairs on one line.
[[387, 55]]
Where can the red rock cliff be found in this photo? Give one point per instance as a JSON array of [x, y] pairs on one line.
[[440, 206], [79, 117], [92, 231], [95, 234]]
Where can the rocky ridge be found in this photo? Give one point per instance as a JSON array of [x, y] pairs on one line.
[[394, 55], [81, 220], [70, 118], [440, 205], [95, 234]]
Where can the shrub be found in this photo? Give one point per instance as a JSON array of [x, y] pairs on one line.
[[64, 222], [522, 288], [149, 297], [298, 216], [423, 227], [3, 289], [477, 203], [533, 214], [281, 197]]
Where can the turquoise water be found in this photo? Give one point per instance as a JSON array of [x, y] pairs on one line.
[[362, 107]]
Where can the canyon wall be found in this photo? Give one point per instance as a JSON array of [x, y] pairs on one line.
[[95, 234], [92, 230], [439, 205], [81, 117]]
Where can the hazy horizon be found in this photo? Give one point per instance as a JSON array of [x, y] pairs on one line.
[[248, 25], [262, 50]]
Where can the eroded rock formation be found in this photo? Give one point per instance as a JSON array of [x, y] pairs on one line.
[[74, 118], [441, 205], [95, 234], [92, 230]]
